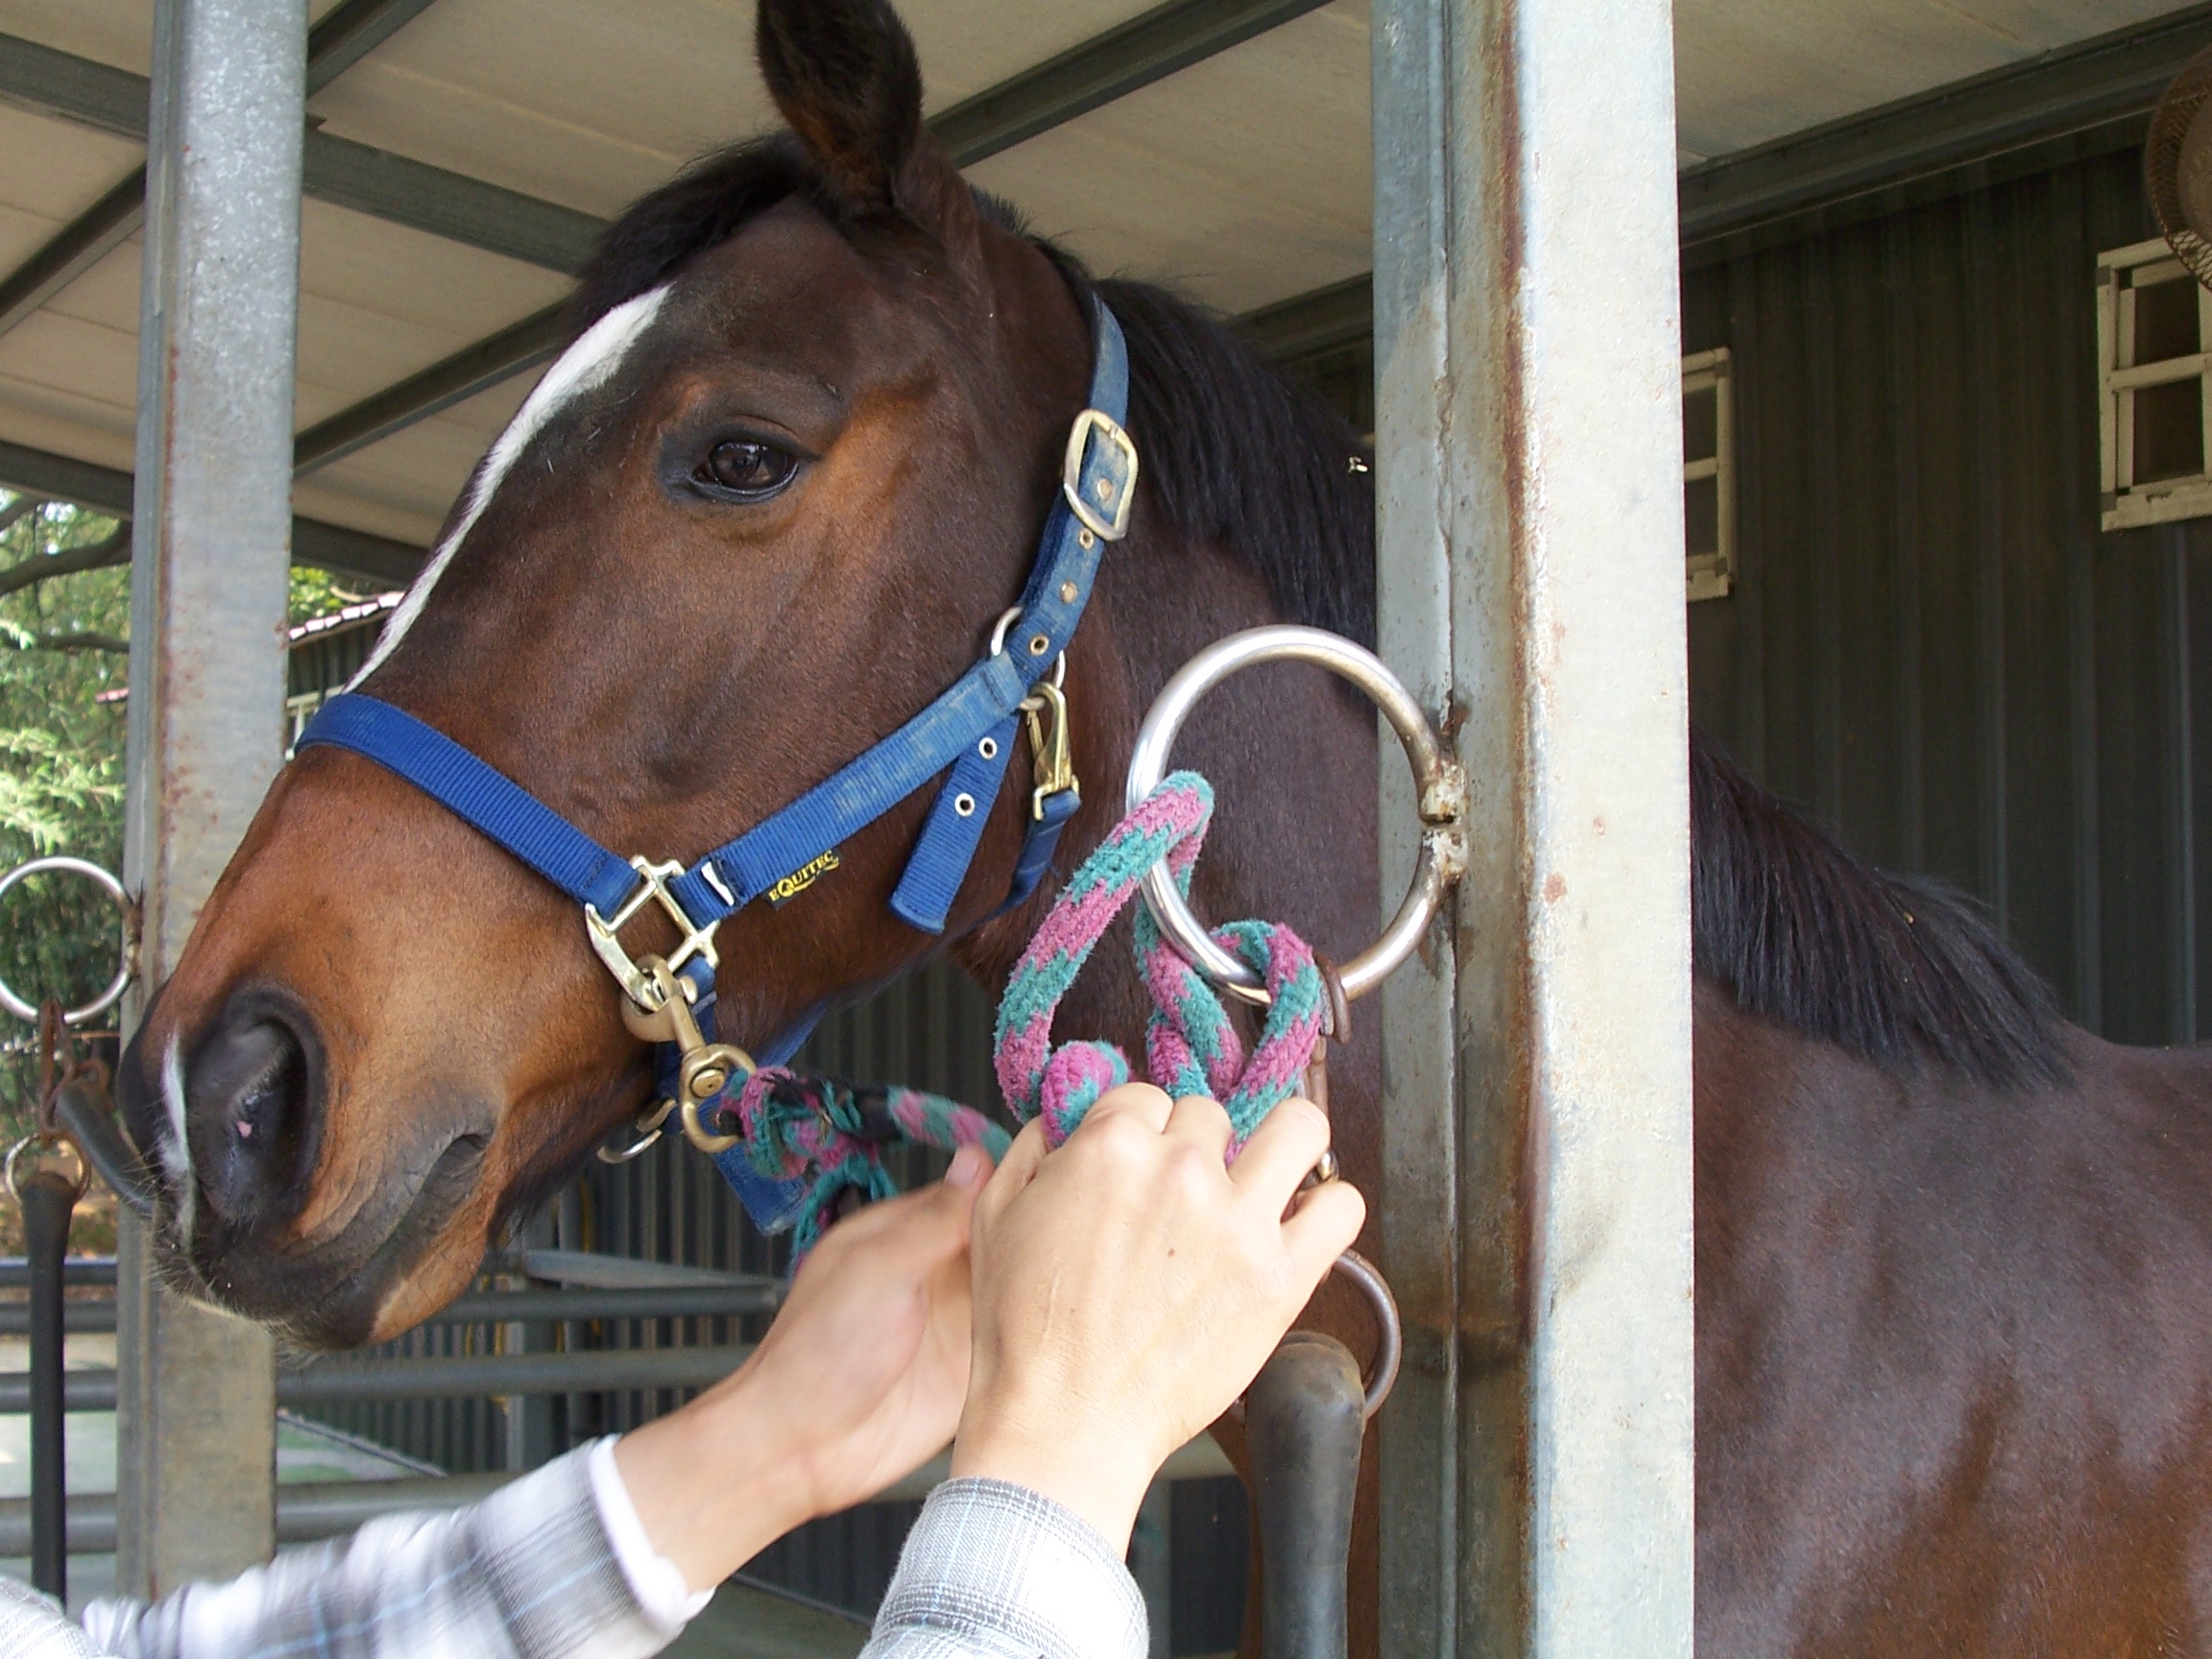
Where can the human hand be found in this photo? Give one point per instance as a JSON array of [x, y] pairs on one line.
[[859, 1381], [1129, 1287]]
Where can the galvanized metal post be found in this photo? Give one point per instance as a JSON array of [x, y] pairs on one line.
[[1537, 1205], [212, 523]]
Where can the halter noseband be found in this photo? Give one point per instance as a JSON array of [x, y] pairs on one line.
[[969, 727]]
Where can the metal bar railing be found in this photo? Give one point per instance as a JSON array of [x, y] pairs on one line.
[[594, 1371], [323, 1509], [76, 1271], [97, 1314]]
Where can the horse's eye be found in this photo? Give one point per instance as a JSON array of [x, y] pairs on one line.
[[749, 467]]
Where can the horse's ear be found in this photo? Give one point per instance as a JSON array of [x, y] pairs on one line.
[[845, 76]]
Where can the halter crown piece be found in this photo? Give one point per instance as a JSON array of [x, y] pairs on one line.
[[967, 733]]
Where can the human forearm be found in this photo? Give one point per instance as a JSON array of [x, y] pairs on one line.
[[527, 1574], [857, 1383], [714, 1485]]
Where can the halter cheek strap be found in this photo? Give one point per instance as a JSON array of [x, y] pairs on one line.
[[967, 733]]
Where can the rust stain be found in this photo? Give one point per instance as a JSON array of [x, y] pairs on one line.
[[1554, 888]]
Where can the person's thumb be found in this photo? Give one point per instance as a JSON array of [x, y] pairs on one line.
[[951, 1203]]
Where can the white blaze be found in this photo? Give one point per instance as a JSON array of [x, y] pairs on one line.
[[176, 1151], [597, 353]]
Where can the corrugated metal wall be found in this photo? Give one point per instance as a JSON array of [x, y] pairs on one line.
[[1931, 644]]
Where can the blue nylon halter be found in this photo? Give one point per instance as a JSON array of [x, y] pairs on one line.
[[969, 728]]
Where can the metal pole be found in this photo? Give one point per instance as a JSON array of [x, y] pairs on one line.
[[211, 516], [1536, 1210], [47, 1201]]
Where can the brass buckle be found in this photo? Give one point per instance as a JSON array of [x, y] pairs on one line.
[[1051, 755], [1121, 495], [653, 884]]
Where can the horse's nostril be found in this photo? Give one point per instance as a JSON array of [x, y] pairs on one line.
[[248, 1116]]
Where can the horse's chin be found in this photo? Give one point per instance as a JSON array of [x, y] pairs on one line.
[[364, 1285]]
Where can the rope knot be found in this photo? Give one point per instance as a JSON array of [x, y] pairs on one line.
[[1191, 1047], [800, 1126]]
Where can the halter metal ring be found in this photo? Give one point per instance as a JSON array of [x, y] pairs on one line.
[[1435, 774], [999, 644], [62, 865], [646, 1129]]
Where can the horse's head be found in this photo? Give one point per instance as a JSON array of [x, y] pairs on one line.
[[765, 508]]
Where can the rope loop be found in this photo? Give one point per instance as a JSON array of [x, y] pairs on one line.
[[1192, 1046]]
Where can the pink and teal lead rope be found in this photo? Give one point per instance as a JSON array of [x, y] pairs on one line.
[[797, 1125]]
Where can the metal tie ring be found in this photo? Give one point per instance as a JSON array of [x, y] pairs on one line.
[[1442, 793], [1381, 1373], [46, 1147], [62, 865]]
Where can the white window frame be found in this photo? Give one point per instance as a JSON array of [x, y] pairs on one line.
[[2125, 505], [1711, 575]]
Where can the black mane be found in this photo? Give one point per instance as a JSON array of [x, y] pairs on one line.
[[1234, 452], [1898, 972], [1795, 927]]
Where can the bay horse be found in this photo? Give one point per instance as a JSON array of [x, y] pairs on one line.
[[1953, 1261]]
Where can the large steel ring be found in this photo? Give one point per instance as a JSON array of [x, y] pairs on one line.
[[1437, 775], [65, 865]]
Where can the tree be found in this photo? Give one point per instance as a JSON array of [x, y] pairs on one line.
[[64, 639]]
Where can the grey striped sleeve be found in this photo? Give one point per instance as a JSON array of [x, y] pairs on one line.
[[995, 1570], [527, 1574]]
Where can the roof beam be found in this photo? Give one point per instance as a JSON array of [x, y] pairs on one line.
[[472, 369], [334, 45], [2096, 82], [74, 249], [1138, 53], [105, 490], [1147, 48], [352, 32], [336, 170], [1309, 324], [47, 81], [2093, 82]]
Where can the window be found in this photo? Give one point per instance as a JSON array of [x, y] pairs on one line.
[[1708, 474], [2153, 320]]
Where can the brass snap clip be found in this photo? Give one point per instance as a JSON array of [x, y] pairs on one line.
[[1052, 756], [703, 1069]]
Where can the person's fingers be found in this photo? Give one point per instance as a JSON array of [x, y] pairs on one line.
[[922, 1227], [1323, 1226], [1016, 1170], [1282, 1150], [1203, 1123], [1140, 1101]]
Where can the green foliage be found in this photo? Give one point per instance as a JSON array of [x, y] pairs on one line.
[[61, 767], [318, 593], [61, 777]]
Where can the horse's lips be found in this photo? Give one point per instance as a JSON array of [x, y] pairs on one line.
[[328, 1295]]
